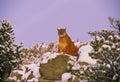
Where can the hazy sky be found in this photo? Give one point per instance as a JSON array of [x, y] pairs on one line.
[[36, 21]]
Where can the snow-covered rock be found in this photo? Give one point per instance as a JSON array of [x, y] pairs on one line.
[[44, 61], [66, 77], [48, 56], [55, 67], [84, 54]]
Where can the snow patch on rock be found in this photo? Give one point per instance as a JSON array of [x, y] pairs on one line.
[[84, 54], [66, 77], [48, 56]]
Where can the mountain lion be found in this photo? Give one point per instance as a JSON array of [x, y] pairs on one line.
[[66, 45]]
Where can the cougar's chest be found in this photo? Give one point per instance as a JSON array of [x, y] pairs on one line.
[[63, 43]]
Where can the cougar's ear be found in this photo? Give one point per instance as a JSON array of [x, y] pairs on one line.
[[57, 29], [65, 28]]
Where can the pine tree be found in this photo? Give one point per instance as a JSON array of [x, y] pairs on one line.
[[106, 50], [10, 53], [115, 24]]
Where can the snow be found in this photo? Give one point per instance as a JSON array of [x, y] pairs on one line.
[[71, 62], [106, 46], [33, 67], [33, 80], [117, 36], [78, 44], [66, 77], [44, 45], [25, 75], [98, 38], [12, 78], [114, 45], [2, 46], [84, 54], [107, 42], [76, 67], [48, 56], [110, 37]]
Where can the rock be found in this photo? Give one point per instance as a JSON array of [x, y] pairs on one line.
[[54, 69], [15, 76]]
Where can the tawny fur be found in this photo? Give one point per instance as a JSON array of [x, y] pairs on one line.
[[66, 45]]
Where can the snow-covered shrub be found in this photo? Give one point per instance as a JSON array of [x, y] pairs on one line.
[[27, 73], [10, 53], [34, 54], [106, 51]]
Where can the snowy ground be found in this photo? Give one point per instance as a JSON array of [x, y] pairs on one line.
[[34, 67]]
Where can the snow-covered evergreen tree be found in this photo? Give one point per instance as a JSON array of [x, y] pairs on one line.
[[106, 45], [9, 52]]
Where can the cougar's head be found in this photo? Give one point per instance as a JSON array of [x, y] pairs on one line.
[[61, 32]]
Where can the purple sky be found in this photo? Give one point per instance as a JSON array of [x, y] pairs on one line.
[[36, 21]]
